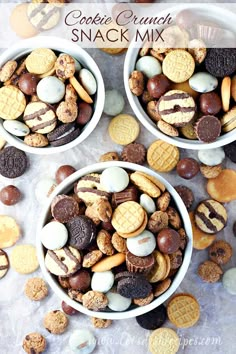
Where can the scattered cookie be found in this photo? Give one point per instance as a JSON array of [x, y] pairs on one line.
[[164, 340], [123, 129], [222, 188], [24, 259], [13, 162], [36, 289], [153, 319], [100, 323], [82, 341], [9, 231], [109, 156], [55, 322], [201, 240], [220, 252], [4, 263], [210, 216], [162, 157], [34, 343], [210, 272]]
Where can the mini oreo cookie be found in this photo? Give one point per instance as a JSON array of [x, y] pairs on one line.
[[64, 134], [230, 151], [186, 195], [153, 319], [64, 208], [221, 62], [82, 232], [208, 129], [134, 288], [13, 162]]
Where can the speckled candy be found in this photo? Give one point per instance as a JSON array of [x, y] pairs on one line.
[[50, 90], [82, 341], [54, 235], [203, 82], [142, 245], [114, 179], [102, 281], [149, 66]]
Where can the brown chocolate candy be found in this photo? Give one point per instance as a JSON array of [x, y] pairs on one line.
[[10, 195], [70, 311], [158, 85], [187, 168], [168, 241], [210, 103], [128, 194], [63, 172], [135, 153], [28, 83], [64, 208], [208, 128], [80, 280], [85, 112]]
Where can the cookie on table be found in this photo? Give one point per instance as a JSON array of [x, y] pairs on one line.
[[36, 289], [220, 252], [162, 156], [210, 272], [164, 340], [123, 129], [24, 259], [9, 231], [55, 322], [34, 343]]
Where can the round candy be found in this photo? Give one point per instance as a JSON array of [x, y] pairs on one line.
[[229, 281], [114, 103], [10, 195], [81, 280], [70, 311], [168, 241], [158, 85], [142, 245], [147, 203], [85, 112], [43, 189], [88, 81], [50, 89], [210, 103], [211, 157], [187, 168], [54, 235], [63, 172], [117, 302], [114, 179], [28, 83], [82, 341], [16, 128], [149, 66], [102, 281], [203, 82]]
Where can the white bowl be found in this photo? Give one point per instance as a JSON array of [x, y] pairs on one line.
[[225, 17], [61, 45], [65, 187]]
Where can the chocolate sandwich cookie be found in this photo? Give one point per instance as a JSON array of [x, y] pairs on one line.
[[40, 117], [82, 232], [4, 263], [137, 264], [221, 62], [63, 134], [63, 262], [177, 108], [210, 216], [13, 162], [153, 319], [230, 151], [43, 16], [64, 208], [134, 288], [208, 128]]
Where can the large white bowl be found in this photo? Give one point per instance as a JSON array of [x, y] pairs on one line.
[[61, 45], [226, 18], [65, 187]]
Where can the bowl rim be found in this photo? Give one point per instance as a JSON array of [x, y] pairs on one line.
[[60, 44], [129, 66], [64, 187]]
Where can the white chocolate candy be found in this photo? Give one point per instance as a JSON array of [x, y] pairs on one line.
[[54, 235], [114, 103], [142, 245], [88, 81], [147, 203], [229, 281], [82, 341], [149, 66], [117, 302], [16, 128], [203, 82], [43, 189], [102, 281], [50, 90], [211, 157], [114, 179]]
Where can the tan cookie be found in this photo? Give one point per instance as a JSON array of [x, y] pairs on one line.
[[233, 87], [109, 156], [228, 121], [210, 171], [43, 16], [128, 217], [12, 102], [162, 157], [174, 218], [92, 258], [24, 259], [119, 243], [65, 66], [183, 310], [201, 240], [163, 341], [136, 83], [162, 287], [188, 131], [158, 221], [158, 272], [104, 243], [95, 301], [226, 93], [40, 117], [210, 272], [67, 111], [4, 263], [71, 94], [145, 185], [55, 322], [167, 129], [9, 231], [36, 289], [109, 262], [154, 180], [152, 110], [40, 60], [123, 129], [178, 65], [7, 70], [80, 90], [100, 323], [51, 72], [36, 140], [222, 188], [34, 343], [163, 201], [210, 216], [177, 108], [20, 23], [138, 231], [144, 301], [2, 143], [220, 252], [63, 262], [168, 266], [197, 48]]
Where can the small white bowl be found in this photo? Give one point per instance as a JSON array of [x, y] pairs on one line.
[[61, 45], [223, 16], [65, 187]]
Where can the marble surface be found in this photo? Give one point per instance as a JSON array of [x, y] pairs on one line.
[[215, 331]]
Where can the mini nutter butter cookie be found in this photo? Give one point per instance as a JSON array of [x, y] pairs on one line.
[[162, 157], [12, 102], [178, 65], [167, 129], [177, 108], [210, 171], [24, 259], [40, 60], [63, 262], [145, 184], [210, 216], [123, 129], [40, 118], [43, 16], [4, 263]]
